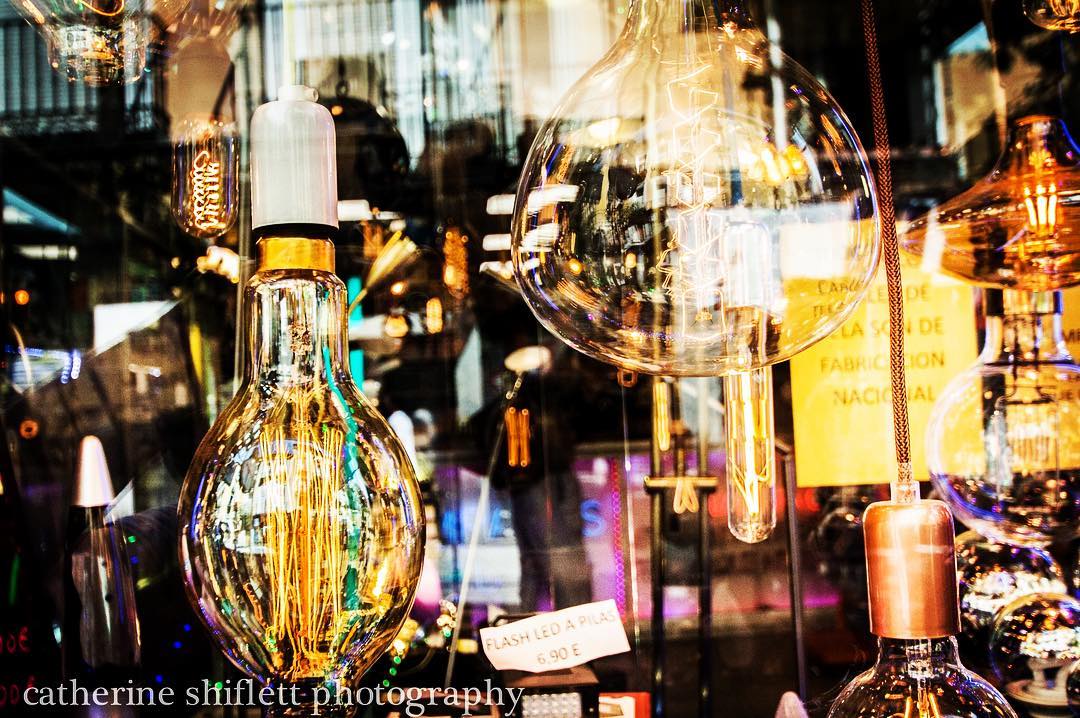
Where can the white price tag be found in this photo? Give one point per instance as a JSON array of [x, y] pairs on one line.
[[557, 640]]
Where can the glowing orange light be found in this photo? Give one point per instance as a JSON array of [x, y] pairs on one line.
[[398, 288], [22, 297], [396, 326], [574, 265], [517, 437], [456, 263], [28, 429], [433, 314]]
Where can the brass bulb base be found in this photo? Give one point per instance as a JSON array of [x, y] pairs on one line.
[[276, 253], [911, 570]]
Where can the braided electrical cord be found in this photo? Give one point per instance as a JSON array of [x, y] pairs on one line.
[[891, 252]]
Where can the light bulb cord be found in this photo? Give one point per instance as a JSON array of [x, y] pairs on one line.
[[904, 487]]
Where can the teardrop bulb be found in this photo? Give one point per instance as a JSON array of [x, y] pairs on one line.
[[999, 446], [698, 205], [1017, 228], [301, 524]]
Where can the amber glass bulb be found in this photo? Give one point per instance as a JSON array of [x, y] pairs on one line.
[[301, 525], [1019, 227], [206, 170], [919, 678], [1054, 14]]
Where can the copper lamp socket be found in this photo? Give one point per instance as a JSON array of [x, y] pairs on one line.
[[911, 570]]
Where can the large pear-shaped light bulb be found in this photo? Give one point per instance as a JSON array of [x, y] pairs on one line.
[[1019, 227], [698, 205], [302, 529]]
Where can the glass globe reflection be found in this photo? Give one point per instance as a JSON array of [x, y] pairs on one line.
[[698, 204], [1034, 643], [1001, 444], [993, 575]]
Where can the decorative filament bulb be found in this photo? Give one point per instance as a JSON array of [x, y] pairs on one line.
[[680, 212], [205, 190], [751, 459], [1054, 14]]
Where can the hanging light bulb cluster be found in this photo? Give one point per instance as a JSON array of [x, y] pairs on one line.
[[910, 552], [698, 205]]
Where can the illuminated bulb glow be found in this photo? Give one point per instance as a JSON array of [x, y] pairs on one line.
[[433, 314], [751, 479], [205, 192], [518, 435], [306, 552]]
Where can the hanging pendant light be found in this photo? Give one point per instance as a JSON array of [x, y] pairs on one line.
[[1019, 227], [698, 205]]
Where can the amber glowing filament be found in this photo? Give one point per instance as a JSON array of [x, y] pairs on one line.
[[99, 11], [751, 462], [518, 435], [1064, 7], [1042, 209], [661, 419], [206, 186], [306, 551], [456, 263], [433, 315]]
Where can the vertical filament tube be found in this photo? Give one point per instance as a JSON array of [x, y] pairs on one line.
[[751, 455], [205, 187]]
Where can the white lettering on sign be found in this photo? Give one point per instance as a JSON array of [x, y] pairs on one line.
[[557, 640]]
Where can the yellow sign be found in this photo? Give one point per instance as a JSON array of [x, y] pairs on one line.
[[1071, 320], [840, 389]]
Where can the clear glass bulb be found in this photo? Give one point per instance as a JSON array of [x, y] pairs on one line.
[[99, 42], [919, 678], [999, 445], [698, 205], [993, 575], [1054, 14], [1017, 227], [206, 171], [1035, 641], [301, 524]]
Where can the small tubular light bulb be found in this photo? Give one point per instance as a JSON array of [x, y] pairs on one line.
[[751, 460], [205, 190]]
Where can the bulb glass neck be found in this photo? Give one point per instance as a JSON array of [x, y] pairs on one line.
[[918, 654], [1037, 145], [296, 314], [1024, 328], [651, 17]]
